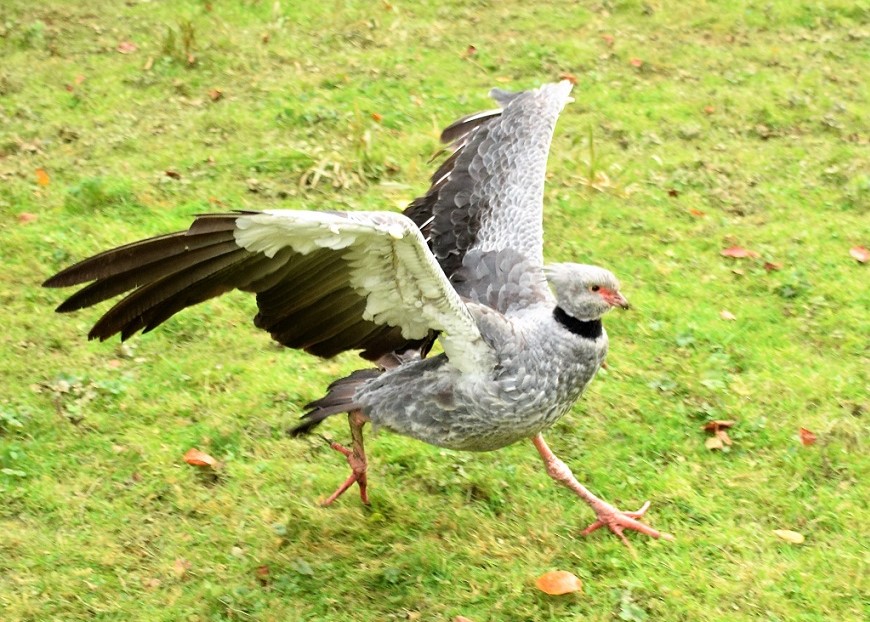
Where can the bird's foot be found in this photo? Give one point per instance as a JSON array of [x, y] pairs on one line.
[[618, 521], [358, 466]]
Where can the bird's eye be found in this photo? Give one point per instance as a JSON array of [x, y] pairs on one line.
[[595, 288]]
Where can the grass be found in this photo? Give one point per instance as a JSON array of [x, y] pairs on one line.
[[696, 126]]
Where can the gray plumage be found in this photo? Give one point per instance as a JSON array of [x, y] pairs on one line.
[[464, 263]]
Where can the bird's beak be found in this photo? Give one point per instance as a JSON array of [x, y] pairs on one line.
[[614, 298]]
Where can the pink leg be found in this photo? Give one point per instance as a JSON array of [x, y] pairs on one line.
[[608, 516], [356, 458]]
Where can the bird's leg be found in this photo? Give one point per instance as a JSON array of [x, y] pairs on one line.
[[356, 458], [608, 516]]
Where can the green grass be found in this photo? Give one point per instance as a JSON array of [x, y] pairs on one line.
[[754, 113]]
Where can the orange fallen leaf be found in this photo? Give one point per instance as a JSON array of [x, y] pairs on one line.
[[722, 435], [789, 536], [42, 177], [718, 424], [738, 252], [697, 213], [470, 51], [198, 458], [636, 62], [26, 217], [127, 47], [859, 253], [558, 582], [377, 117], [215, 94], [807, 437], [772, 266], [709, 110]]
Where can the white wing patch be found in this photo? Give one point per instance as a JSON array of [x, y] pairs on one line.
[[388, 263]]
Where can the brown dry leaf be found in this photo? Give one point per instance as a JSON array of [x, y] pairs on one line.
[[722, 435], [198, 458], [725, 314], [807, 437], [127, 47], [558, 582], [570, 77], [718, 424], [636, 62], [738, 252], [215, 94], [377, 117], [26, 217], [697, 213], [709, 110], [180, 567], [859, 253], [42, 177], [673, 192], [470, 51], [714, 442], [772, 266], [172, 174], [789, 536]]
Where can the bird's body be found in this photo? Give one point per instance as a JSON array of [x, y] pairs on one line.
[[463, 265], [541, 370]]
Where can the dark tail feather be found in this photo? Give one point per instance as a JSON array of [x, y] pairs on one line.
[[338, 399]]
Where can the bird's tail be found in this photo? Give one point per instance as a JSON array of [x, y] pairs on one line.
[[338, 399]]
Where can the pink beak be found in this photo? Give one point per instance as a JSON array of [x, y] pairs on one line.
[[613, 298]]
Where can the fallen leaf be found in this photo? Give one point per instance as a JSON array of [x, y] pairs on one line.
[[198, 458], [789, 536], [697, 213], [772, 266], [636, 62], [42, 177], [725, 314], [262, 573], [127, 47], [377, 118], [718, 424], [558, 582], [570, 77], [172, 174], [709, 110], [470, 51], [738, 252], [673, 192], [26, 217], [215, 94], [180, 567], [714, 442], [807, 437], [722, 435], [860, 254], [608, 39]]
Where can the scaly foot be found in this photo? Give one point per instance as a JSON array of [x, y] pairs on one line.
[[617, 521], [358, 468]]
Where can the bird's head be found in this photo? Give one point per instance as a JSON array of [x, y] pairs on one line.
[[584, 292]]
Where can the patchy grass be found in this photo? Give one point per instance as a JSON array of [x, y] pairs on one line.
[[697, 126]]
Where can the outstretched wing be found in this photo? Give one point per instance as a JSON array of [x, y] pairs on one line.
[[325, 282], [482, 215]]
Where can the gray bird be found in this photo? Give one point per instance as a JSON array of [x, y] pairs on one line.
[[463, 265]]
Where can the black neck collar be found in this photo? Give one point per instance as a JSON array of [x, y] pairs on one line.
[[588, 329]]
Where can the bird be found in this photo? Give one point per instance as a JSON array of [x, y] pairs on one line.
[[462, 266]]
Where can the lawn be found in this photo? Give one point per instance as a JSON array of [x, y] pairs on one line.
[[697, 127]]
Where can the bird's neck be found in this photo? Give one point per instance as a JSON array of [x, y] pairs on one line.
[[588, 329]]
